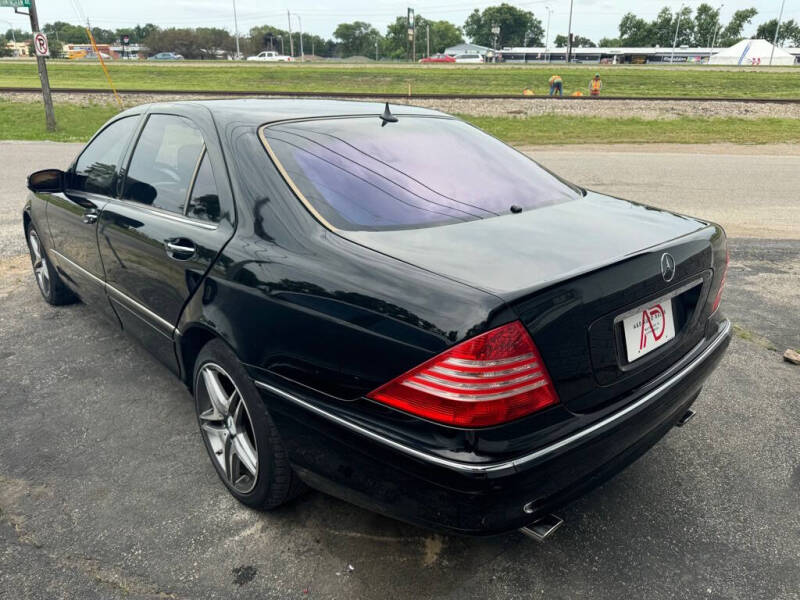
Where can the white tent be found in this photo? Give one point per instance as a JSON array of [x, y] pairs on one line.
[[752, 52]]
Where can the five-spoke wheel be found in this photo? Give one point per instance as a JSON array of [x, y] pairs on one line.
[[227, 427], [40, 267], [243, 442]]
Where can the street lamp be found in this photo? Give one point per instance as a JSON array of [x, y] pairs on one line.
[[547, 35], [675, 41], [236, 30], [300, 23], [777, 29], [716, 29]]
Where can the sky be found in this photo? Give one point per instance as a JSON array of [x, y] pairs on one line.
[[592, 18]]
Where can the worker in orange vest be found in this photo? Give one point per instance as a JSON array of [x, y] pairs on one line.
[[556, 85], [595, 85]]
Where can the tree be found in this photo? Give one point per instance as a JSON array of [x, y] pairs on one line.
[[789, 31], [443, 35], [357, 38], [517, 27], [610, 42], [732, 33], [4, 50], [634, 31], [706, 25], [183, 41], [577, 41]]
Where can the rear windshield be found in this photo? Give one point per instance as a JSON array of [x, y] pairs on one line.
[[417, 172]]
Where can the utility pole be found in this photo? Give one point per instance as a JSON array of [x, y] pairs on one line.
[[675, 41], [428, 38], [714, 37], [547, 35], [300, 22], [50, 117], [569, 34], [291, 40], [236, 29], [376, 50], [777, 29]]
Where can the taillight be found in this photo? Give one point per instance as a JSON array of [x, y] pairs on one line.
[[493, 378], [722, 282]]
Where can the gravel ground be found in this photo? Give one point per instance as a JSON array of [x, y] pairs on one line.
[[522, 107], [106, 490]]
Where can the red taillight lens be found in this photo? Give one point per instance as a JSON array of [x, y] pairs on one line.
[[493, 378], [722, 282]]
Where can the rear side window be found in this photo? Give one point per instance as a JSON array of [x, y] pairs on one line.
[[164, 162], [96, 168], [417, 172], [204, 199]]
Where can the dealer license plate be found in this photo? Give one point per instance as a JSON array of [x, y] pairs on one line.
[[649, 327]]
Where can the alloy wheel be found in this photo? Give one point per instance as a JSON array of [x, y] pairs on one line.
[[227, 428], [39, 263]]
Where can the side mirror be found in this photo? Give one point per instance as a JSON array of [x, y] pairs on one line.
[[48, 180]]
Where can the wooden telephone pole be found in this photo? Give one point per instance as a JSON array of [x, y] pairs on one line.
[[50, 116]]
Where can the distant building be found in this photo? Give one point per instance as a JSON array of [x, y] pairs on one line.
[[19, 48], [616, 55], [466, 49]]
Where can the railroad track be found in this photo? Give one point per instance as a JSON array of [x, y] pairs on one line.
[[389, 96]]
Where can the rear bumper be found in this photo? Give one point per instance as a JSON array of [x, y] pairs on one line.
[[345, 459]]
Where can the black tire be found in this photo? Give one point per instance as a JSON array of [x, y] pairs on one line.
[[275, 482], [49, 282]]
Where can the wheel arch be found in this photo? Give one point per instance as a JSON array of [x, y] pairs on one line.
[[189, 345]]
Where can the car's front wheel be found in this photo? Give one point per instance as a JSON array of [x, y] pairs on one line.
[[47, 278], [238, 432]]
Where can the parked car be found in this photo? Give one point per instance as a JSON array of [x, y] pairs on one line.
[[438, 58], [166, 56], [385, 303], [469, 58], [269, 56]]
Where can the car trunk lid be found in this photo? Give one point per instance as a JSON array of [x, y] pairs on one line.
[[569, 271]]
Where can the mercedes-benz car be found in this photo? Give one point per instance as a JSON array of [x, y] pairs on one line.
[[385, 303]]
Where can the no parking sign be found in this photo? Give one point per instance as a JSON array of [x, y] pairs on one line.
[[40, 44]]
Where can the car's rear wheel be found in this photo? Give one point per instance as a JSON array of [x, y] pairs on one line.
[[47, 278], [238, 432]]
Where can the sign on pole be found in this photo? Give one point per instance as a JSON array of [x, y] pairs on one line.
[[16, 3], [40, 44]]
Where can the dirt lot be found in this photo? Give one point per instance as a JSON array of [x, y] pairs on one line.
[[107, 492]]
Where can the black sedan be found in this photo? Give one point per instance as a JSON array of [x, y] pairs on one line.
[[385, 303]]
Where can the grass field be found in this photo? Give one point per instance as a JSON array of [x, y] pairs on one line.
[[431, 79], [25, 121]]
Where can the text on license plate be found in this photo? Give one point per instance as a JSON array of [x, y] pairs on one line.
[[650, 327]]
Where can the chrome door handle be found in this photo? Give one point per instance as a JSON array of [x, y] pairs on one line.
[[90, 218], [181, 248]]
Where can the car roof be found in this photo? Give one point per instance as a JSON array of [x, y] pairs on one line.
[[252, 111]]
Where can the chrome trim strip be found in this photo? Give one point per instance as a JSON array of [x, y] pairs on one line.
[[463, 397], [483, 374], [129, 302], [92, 276], [477, 385], [463, 362], [511, 464], [668, 296], [159, 212]]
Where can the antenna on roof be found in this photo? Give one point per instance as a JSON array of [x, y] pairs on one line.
[[387, 116]]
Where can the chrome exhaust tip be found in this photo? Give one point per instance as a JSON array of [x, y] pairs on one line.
[[687, 416], [542, 528]]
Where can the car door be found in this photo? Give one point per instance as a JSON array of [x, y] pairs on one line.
[[173, 216], [72, 216]]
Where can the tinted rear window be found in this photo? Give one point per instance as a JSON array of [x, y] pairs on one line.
[[418, 172]]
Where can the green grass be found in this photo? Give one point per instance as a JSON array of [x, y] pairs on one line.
[[25, 121], [432, 79], [557, 129]]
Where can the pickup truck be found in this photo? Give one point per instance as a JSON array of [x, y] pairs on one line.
[[270, 56]]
